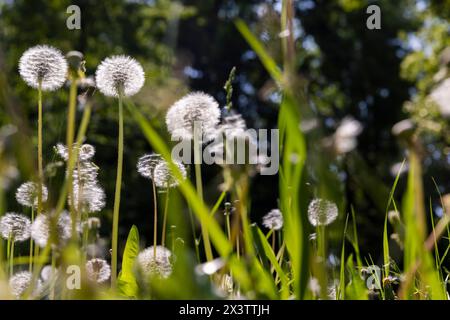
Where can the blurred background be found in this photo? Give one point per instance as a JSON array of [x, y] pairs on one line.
[[376, 77]]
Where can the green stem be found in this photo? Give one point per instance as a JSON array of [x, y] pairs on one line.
[[199, 186], [30, 266], [40, 165], [11, 259], [115, 229], [155, 218], [70, 134], [228, 226], [166, 206], [52, 278], [273, 241]]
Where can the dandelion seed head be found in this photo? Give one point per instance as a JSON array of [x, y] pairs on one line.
[[43, 64], [15, 226], [27, 194], [151, 265], [163, 176], [85, 152], [119, 73], [46, 273], [41, 227], [147, 163], [98, 270], [88, 198], [322, 212], [232, 126], [85, 173], [199, 108], [273, 220], [20, 282]]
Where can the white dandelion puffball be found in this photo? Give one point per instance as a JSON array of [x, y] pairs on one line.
[[196, 108], [147, 163], [40, 228], [273, 220], [164, 177], [20, 282], [151, 265], [232, 126], [85, 152], [322, 212], [15, 226], [27, 194], [85, 172], [47, 273], [88, 198], [118, 73], [98, 270], [43, 64]]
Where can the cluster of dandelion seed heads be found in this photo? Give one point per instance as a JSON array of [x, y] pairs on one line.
[[43, 64], [199, 109], [87, 194], [273, 220], [20, 282], [85, 152], [27, 194], [88, 198], [119, 75], [15, 226], [147, 163], [322, 212], [98, 270], [151, 265], [41, 228], [164, 177]]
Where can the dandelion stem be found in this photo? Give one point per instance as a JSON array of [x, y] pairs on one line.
[[228, 226], [273, 241], [70, 134], [40, 165], [30, 266], [166, 206], [199, 186], [155, 218], [115, 228], [11, 258], [52, 278]]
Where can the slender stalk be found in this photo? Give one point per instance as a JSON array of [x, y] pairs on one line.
[[11, 259], [199, 186], [115, 229], [273, 241], [40, 165], [70, 134], [30, 263], [52, 278], [228, 226], [155, 218], [166, 207]]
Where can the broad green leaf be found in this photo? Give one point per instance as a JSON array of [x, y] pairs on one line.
[[126, 282]]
